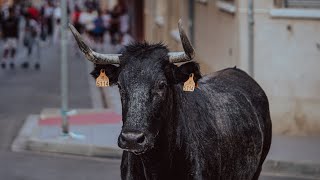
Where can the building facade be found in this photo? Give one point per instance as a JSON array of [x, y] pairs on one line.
[[284, 43]]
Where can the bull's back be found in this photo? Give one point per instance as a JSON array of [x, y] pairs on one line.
[[238, 111]]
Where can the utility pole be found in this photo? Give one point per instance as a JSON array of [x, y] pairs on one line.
[[64, 69], [251, 37]]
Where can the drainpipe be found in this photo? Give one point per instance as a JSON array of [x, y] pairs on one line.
[[191, 20], [64, 69], [251, 38]]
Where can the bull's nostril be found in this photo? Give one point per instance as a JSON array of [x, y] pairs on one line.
[[131, 138], [140, 139]]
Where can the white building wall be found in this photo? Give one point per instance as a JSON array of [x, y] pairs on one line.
[[286, 57], [287, 61]]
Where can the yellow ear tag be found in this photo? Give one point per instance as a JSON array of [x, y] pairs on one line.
[[189, 85], [102, 80]]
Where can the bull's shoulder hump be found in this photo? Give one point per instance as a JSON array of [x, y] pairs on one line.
[[221, 74]]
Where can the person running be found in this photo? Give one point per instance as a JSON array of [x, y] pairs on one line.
[[30, 34], [10, 32], [75, 19], [48, 18], [57, 25]]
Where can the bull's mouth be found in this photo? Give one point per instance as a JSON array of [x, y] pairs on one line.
[[137, 151]]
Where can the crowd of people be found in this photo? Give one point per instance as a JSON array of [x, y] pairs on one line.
[[95, 23], [29, 25]]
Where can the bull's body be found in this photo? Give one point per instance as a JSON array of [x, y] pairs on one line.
[[222, 130]]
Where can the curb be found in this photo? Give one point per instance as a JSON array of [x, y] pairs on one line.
[[25, 141], [291, 169], [66, 147]]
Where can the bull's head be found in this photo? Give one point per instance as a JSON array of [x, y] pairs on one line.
[[146, 76]]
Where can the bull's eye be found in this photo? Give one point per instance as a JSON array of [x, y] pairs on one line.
[[162, 85]]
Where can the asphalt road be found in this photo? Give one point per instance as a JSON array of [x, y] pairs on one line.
[[27, 91]]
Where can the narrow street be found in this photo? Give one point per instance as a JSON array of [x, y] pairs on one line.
[[27, 91]]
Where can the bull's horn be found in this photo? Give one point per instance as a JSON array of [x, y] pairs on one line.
[[188, 54], [92, 56]]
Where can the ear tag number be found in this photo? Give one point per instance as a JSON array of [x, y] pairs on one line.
[[102, 80], [189, 85]]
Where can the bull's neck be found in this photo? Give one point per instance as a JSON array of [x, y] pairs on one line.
[[158, 161]]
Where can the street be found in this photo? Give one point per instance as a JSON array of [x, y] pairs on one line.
[[25, 92], [28, 91]]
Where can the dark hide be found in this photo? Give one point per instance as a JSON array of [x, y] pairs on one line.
[[222, 130]]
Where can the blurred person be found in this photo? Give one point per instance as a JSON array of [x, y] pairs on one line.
[[10, 32], [42, 22], [86, 19], [31, 30], [57, 23], [75, 18], [5, 10], [48, 10], [115, 24], [91, 4], [124, 21], [98, 31], [33, 12], [106, 17]]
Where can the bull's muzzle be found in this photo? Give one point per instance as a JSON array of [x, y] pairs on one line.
[[132, 141]]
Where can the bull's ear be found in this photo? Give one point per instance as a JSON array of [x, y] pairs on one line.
[[180, 74], [112, 72]]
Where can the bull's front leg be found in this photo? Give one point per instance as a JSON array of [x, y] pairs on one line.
[[131, 167], [200, 169], [152, 164]]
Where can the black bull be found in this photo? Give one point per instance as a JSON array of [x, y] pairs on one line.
[[222, 130]]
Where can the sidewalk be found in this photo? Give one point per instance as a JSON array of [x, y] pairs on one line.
[[289, 156], [94, 133], [294, 156]]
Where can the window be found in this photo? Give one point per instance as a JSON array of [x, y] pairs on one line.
[[229, 1], [205, 2], [297, 4], [298, 9], [226, 6]]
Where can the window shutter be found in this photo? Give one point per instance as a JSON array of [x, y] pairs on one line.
[[312, 4]]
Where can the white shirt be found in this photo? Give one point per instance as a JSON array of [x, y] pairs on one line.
[[87, 19], [57, 13], [48, 11]]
